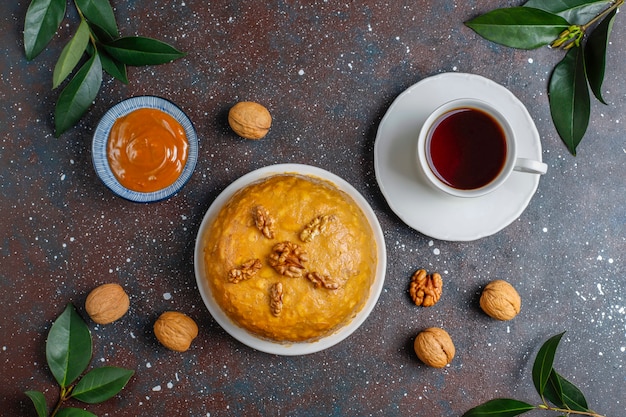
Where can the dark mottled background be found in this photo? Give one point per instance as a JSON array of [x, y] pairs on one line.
[[328, 71]]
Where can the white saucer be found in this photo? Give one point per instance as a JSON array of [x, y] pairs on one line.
[[416, 202]]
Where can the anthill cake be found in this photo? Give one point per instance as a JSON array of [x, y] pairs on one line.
[[290, 258]]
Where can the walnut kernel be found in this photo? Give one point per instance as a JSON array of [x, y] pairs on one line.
[[316, 227], [288, 259], [244, 272], [276, 299], [425, 290], [434, 347], [322, 280], [107, 303], [264, 222], [175, 330], [500, 300], [249, 120]]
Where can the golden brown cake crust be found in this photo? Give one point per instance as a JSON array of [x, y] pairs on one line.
[[320, 243]]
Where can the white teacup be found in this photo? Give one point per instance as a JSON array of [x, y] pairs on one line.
[[466, 148]]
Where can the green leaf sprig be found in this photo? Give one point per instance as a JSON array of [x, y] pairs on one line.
[[580, 27], [557, 393], [68, 353], [97, 38]]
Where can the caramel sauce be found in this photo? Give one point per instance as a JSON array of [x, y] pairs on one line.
[[147, 150]]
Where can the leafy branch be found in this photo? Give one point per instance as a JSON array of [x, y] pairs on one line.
[[98, 40], [68, 353], [580, 27], [557, 393]]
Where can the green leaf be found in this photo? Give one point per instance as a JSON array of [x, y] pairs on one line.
[[100, 13], [595, 54], [100, 384], [71, 54], [573, 398], [576, 12], [112, 67], [569, 98], [78, 95], [39, 401], [43, 18], [500, 407], [74, 412], [138, 51], [68, 348], [554, 390], [519, 27], [543, 363]]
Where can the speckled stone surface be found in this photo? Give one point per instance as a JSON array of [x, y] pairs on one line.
[[328, 71]]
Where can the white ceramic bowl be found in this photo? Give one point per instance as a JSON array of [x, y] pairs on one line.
[[265, 345], [101, 137]]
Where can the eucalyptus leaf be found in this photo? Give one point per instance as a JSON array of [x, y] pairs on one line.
[[542, 366], [71, 54], [78, 95], [595, 54], [573, 398], [519, 27], [576, 12], [500, 407], [43, 18], [139, 50], [68, 348], [39, 401], [74, 412], [99, 12], [570, 105], [100, 384]]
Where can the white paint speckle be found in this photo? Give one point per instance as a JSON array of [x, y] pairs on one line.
[[530, 60], [301, 72], [156, 388], [167, 296], [436, 251]]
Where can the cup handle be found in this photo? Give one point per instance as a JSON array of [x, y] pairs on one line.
[[530, 166]]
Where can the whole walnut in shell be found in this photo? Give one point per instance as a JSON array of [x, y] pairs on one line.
[[500, 300], [250, 120], [175, 330], [434, 347], [107, 303]]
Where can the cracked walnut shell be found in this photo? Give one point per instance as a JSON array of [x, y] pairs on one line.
[[175, 330], [500, 300], [107, 303], [434, 347], [250, 120], [425, 290]]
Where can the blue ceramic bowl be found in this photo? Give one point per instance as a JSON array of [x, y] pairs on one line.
[[101, 137]]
